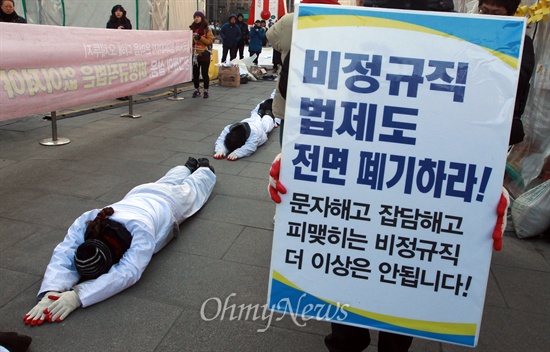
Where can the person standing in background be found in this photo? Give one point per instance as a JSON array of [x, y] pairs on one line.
[[257, 35], [8, 14], [202, 40], [118, 19], [244, 35], [231, 34], [264, 26]]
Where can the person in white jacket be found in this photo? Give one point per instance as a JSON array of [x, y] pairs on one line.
[[241, 139], [106, 251]]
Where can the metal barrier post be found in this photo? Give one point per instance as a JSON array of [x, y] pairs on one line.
[[175, 97], [54, 140], [131, 109]]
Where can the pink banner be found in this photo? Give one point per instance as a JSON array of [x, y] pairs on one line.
[[49, 68]]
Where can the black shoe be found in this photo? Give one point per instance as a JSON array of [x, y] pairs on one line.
[[203, 162], [192, 164]]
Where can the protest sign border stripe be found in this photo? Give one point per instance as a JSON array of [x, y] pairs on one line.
[[443, 25], [460, 333]]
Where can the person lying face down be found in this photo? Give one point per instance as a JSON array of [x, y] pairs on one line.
[[106, 251], [242, 138]]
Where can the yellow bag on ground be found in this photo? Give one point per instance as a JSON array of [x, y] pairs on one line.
[[213, 69]]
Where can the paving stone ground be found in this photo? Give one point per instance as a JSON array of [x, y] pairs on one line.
[[224, 250]]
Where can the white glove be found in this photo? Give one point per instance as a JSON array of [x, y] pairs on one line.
[[219, 155], [64, 303], [37, 316], [233, 156]]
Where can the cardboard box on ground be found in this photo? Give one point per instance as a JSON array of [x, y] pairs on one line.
[[229, 76]]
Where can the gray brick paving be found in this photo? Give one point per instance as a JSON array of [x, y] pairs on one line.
[[224, 249]]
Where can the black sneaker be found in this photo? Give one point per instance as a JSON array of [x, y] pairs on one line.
[[192, 164], [203, 162]]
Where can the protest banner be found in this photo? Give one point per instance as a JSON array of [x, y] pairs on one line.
[[47, 68], [395, 140]]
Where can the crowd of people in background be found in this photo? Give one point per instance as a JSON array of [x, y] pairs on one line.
[[216, 27], [235, 34]]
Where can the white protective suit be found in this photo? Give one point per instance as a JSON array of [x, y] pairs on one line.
[[259, 128], [151, 213]]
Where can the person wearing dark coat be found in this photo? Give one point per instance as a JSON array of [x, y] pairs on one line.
[[244, 35], [8, 14], [231, 34], [257, 35], [118, 19]]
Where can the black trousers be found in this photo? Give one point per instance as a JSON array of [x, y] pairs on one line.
[[198, 69], [232, 53], [257, 55], [346, 338], [240, 47]]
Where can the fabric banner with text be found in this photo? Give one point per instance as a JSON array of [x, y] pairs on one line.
[[48, 68]]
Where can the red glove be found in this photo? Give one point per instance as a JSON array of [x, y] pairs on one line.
[[500, 226], [275, 187]]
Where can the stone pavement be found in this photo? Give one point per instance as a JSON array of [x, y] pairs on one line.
[[224, 250]]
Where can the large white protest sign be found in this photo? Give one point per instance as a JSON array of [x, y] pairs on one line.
[[394, 148]]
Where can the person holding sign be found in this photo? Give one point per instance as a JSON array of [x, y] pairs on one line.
[[280, 38], [344, 337], [107, 251], [508, 8]]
